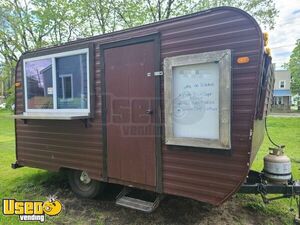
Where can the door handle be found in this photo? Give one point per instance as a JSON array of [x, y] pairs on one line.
[[149, 111]]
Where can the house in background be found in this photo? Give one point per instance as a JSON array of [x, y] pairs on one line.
[[282, 97]]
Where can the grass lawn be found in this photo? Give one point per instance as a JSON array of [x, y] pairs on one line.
[[35, 184], [283, 131], [24, 183]]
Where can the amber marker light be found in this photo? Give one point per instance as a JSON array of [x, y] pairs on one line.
[[243, 60], [268, 51], [266, 38], [18, 84]]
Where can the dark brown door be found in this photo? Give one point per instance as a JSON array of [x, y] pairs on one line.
[[130, 104]]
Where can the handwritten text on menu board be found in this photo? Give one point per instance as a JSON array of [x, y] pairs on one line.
[[196, 101]]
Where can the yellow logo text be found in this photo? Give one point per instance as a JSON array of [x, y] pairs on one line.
[[31, 210]]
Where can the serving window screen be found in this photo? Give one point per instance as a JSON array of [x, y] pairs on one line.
[[197, 99]]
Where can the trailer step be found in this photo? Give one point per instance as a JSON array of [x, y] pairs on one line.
[[135, 203]]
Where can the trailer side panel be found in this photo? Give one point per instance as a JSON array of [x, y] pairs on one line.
[[203, 174]]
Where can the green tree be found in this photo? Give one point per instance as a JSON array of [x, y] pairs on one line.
[[26, 25], [134, 12], [30, 24], [98, 17], [294, 67], [263, 11]]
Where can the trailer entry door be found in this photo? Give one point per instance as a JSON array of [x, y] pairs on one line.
[[130, 113]]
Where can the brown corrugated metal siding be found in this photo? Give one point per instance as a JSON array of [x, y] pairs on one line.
[[204, 175]]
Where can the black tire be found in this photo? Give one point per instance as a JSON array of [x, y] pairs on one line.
[[87, 189]]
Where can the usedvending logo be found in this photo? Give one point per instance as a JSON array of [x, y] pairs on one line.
[[32, 210]]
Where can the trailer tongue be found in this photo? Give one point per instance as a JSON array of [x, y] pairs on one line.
[[257, 183], [275, 178]]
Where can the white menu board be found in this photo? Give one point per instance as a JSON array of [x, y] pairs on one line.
[[196, 101]]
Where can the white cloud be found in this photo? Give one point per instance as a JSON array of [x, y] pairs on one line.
[[287, 31]]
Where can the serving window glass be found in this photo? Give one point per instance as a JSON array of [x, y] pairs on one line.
[[57, 83]]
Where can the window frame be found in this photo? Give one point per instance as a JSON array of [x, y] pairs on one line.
[[223, 58], [284, 83], [63, 76], [53, 56]]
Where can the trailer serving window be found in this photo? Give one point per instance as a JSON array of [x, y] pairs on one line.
[[198, 99], [57, 84]]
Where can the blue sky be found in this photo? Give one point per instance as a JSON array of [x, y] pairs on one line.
[[287, 31]]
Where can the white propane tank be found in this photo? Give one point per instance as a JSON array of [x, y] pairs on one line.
[[277, 166]]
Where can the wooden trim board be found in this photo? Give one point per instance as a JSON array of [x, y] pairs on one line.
[[223, 58]]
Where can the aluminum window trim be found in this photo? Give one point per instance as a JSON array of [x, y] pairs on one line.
[[53, 57]]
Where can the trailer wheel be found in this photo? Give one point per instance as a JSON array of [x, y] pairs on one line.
[[83, 186]]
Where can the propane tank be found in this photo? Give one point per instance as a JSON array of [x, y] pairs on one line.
[[277, 166]]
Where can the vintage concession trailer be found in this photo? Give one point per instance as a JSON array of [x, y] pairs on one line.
[[174, 107]]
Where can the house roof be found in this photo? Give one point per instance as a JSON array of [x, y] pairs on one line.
[[280, 93]]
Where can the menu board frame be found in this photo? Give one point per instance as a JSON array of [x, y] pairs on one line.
[[223, 59]]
